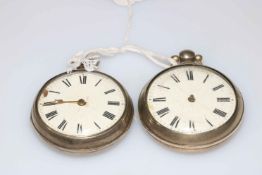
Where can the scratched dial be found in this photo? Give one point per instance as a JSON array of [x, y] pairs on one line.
[[81, 104], [191, 99]]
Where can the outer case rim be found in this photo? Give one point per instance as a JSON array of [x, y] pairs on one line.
[[184, 142]]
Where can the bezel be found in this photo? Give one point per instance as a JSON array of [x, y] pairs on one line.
[[83, 144], [189, 142]]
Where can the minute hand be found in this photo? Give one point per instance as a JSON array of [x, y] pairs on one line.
[[60, 101]]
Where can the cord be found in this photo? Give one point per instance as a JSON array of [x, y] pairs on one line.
[[90, 59]]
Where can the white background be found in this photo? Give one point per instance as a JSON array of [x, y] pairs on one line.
[[37, 37]]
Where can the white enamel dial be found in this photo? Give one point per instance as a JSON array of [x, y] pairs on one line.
[[81, 104], [191, 99]]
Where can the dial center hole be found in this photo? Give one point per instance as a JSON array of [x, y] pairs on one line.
[[191, 98], [81, 102]]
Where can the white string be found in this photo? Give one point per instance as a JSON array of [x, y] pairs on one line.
[[90, 59], [129, 23]]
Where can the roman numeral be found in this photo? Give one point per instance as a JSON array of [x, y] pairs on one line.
[[109, 115], [218, 87], [110, 91], [163, 112], [55, 92], [97, 125], [79, 128], [82, 79], [67, 83], [175, 122], [209, 123], [51, 115], [163, 86], [191, 125], [190, 75], [223, 99], [98, 82], [62, 125], [161, 99], [206, 78], [219, 112], [116, 103], [174, 77]]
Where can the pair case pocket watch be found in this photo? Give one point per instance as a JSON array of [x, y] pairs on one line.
[[188, 106]]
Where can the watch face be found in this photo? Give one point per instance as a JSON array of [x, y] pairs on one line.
[[81, 104], [191, 99]]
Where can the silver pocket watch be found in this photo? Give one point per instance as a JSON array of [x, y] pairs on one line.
[[190, 106]]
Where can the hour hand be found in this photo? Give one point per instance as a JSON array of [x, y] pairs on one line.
[[53, 103], [80, 102]]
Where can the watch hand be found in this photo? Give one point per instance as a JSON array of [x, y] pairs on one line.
[[49, 103], [80, 102], [55, 102]]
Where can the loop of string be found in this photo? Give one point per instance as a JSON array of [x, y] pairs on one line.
[[90, 58]]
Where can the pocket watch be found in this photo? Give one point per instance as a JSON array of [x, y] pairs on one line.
[[82, 111], [190, 106]]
